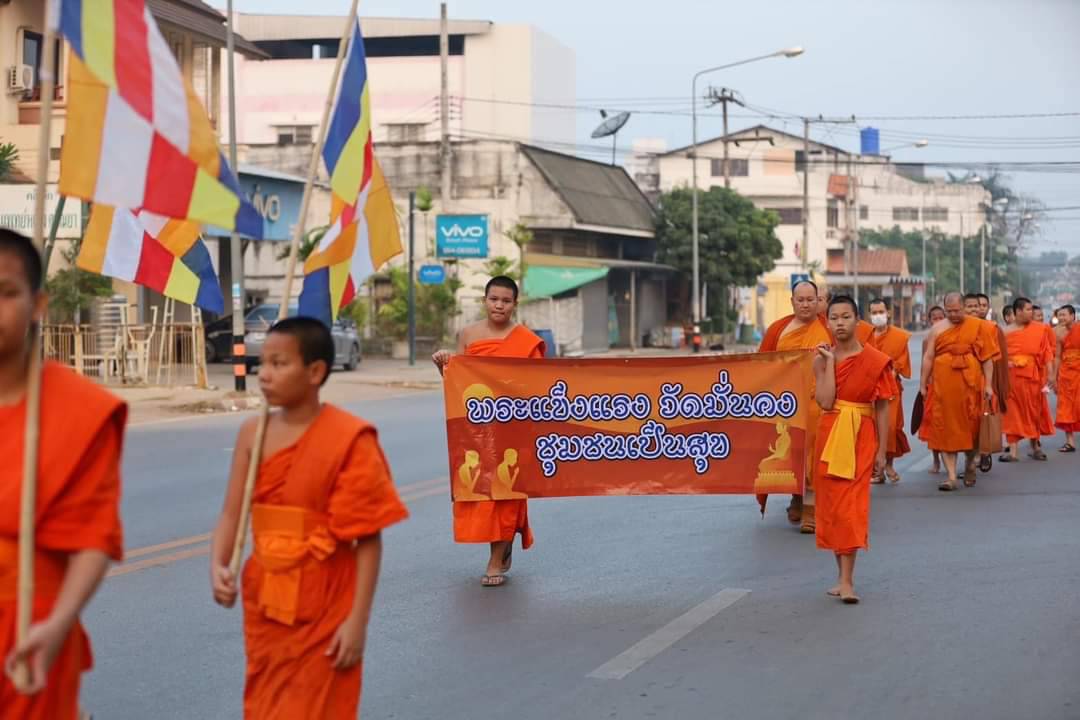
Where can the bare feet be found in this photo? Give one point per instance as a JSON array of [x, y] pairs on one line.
[[894, 477], [935, 469], [834, 591]]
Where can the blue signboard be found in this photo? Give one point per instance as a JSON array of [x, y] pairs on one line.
[[461, 236], [798, 278], [431, 274]]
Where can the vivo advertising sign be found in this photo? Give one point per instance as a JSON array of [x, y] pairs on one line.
[[461, 236]]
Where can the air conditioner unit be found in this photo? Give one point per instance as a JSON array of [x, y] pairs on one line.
[[20, 78]]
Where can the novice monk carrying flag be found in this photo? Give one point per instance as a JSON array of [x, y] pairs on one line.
[[322, 497], [77, 528], [494, 521], [854, 384]]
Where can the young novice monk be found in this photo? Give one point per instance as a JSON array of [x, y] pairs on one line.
[[494, 521], [854, 387], [77, 529], [322, 496]]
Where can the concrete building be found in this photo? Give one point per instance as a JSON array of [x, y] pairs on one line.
[[497, 75], [847, 191]]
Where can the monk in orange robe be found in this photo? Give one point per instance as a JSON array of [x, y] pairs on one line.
[[980, 308], [959, 357], [1029, 353], [495, 521], [803, 330], [1067, 382], [892, 341], [77, 530], [935, 315], [322, 496], [1046, 418], [855, 384]]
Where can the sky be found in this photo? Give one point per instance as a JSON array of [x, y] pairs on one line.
[[891, 63]]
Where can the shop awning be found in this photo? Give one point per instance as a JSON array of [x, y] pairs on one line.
[[547, 280]]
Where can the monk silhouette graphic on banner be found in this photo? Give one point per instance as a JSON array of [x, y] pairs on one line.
[[775, 471], [505, 477], [468, 475]]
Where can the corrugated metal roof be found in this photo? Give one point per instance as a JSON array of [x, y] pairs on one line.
[[261, 27], [597, 194], [883, 261], [199, 18]]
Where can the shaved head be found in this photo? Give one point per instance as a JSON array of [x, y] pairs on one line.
[[804, 300], [954, 308]]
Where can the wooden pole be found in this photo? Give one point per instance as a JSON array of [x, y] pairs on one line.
[[28, 503], [283, 310]]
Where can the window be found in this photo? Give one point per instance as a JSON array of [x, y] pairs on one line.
[[739, 167], [576, 246], [935, 214], [832, 215], [294, 134], [788, 216], [864, 212], [800, 161], [405, 132], [32, 44], [902, 214]]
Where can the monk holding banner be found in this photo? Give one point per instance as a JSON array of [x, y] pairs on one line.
[[854, 386], [322, 497], [77, 530], [803, 330], [1029, 353], [1067, 383], [959, 361], [495, 521]]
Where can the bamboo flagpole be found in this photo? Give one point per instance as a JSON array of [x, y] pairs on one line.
[[290, 275], [28, 500]]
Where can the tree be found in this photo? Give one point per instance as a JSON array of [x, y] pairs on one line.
[[737, 241], [307, 245], [435, 305], [72, 289], [9, 155]]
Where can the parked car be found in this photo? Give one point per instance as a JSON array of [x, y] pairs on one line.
[[259, 319]]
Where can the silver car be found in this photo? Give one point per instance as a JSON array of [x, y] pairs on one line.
[[261, 317]]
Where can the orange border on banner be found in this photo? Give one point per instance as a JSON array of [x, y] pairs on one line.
[[729, 424]]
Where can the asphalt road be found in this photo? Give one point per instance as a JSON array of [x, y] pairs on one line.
[[635, 607]]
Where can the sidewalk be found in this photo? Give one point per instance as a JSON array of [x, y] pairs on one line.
[[375, 378]]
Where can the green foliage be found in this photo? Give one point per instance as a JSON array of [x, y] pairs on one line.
[[72, 290], [307, 244], [424, 201], [435, 305], [737, 241], [358, 311], [9, 155]]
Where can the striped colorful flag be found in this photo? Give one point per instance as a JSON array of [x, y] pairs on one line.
[[347, 151], [353, 247], [137, 136], [150, 250]]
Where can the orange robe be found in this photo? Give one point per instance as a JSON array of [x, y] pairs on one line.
[[957, 385], [1068, 388], [1046, 418], [1029, 353], [806, 337], [1001, 370], [311, 501], [485, 521], [894, 343], [843, 503], [81, 436]]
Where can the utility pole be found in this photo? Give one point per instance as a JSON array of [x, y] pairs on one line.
[[805, 192], [724, 96], [961, 253], [412, 277], [236, 254], [444, 108]]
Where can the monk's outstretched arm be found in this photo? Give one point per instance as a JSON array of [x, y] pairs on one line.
[[988, 375], [347, 646], [222, 583], [881, 419]]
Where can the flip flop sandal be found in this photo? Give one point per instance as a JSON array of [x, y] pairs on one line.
[[986, 463], [1039, 455], [877, 480], [894, 477], [1007, 459], [849, 599], [971, 482], [946, 487], [493, 580], [1066, 449]]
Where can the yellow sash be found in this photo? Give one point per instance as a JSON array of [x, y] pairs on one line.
[[284, 537], [1070, 356], [839, 451]]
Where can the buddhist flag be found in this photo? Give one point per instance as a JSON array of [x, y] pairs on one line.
[[355, 245], [150, 250], [347, 151], [137, 136]]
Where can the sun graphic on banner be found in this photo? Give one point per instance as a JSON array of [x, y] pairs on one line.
[[477, 391]]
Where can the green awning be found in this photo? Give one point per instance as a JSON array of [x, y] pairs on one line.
[[543, 281]]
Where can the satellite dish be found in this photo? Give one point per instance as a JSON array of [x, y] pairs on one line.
[[611, 126]]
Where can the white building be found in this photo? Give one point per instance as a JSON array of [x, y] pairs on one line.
[[497, 74], [846, 191]]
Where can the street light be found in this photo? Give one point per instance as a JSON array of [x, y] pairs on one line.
[[788, 53], [916, 144]]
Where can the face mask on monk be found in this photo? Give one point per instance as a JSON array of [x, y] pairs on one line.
[[879, 320]]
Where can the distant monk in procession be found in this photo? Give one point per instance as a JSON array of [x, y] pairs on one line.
[[978, 305], [1046, 418], [803, 330], [77, 526], [1067, 383], [959, 362], [854, 386], [892, 341], [934, 315], [1029, 352], [494, 521]]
